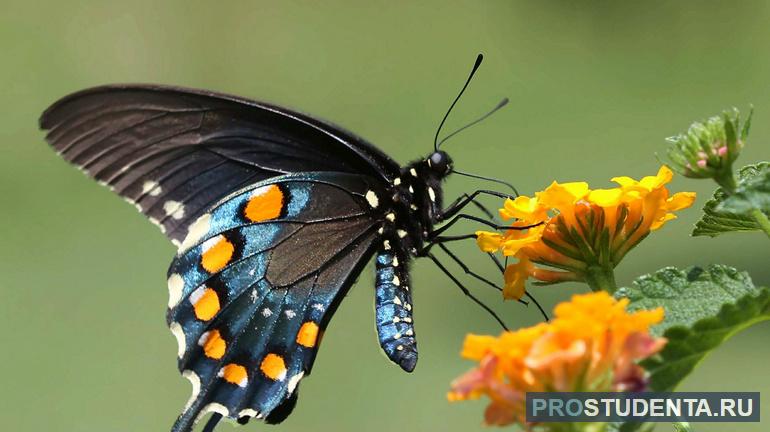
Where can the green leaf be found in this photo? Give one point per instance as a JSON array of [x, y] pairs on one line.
[[703, 309], [753, 191], [717, 220]]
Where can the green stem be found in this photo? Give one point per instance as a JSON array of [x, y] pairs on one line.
[[762, 220], [601, 278], [727, 182]]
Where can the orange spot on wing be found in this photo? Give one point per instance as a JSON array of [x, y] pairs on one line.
[[214, 346], [206, 305], [217, 256], [234, 374], [273, 367], [308, 334], [266, 203]]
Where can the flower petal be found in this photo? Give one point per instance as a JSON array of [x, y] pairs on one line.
[[606, 197], [489, 241]]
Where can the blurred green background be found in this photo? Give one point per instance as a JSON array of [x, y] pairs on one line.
[[594, 88]]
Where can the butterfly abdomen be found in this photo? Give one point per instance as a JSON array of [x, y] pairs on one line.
[[393, 310]]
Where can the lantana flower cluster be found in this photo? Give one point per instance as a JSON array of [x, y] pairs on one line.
[[592, 344], [583, 233]]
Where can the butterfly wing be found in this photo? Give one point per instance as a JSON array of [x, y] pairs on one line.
[[174, 152], [256, 283]]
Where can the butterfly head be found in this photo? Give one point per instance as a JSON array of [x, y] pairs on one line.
[[439, 163]]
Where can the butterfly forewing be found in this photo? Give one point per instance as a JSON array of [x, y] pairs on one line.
[[256, 283], [175, 152]]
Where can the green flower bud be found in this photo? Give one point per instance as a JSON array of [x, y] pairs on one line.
[[708, 149]]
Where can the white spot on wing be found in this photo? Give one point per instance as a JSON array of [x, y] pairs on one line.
[[212, 407], [397, 301], [395, 261], [401, 233], [152, 188], [390, 216], [386, 245], [396, 281], [266, 312], [181, 342], [260, 191], [197, 230], [409, 332], [371, 197], [412, 172], [293, 381], [318, 307], [175, 287], [397, 181], [208, 244], [290, 314], [431, 194], [248, 412], [175, 209], [204, 337], [196, 387], [196, 295]]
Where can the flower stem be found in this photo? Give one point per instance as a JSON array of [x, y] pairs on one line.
[[727, 182], [601, 278], [762, 220]]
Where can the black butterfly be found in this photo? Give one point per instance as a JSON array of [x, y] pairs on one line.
[[275, 214]]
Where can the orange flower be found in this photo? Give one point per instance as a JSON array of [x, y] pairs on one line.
[[585, 233], [592, 344]]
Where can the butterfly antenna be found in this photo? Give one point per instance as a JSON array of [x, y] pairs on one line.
[[502, 103], [476, 65], [491, 179]]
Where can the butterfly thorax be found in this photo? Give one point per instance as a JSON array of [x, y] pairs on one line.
[[416, 201]]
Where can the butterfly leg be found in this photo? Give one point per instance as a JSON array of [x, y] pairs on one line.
[[440, 241], [470, 272], [472, 199], [530, 296], [465, 199], [493, 225], [465, 290]]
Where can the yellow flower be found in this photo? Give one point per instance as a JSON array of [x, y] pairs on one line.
[[589, 233], [592, 344]]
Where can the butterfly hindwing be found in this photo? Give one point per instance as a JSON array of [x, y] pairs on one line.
[[174, 152], [255, 283]]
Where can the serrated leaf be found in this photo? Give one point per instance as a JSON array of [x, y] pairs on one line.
[[716, 220], [703, 309], [753, 191]]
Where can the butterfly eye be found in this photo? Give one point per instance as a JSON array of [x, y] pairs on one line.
[[439, 162]]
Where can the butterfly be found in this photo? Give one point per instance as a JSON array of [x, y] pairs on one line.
[[274, 213]]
